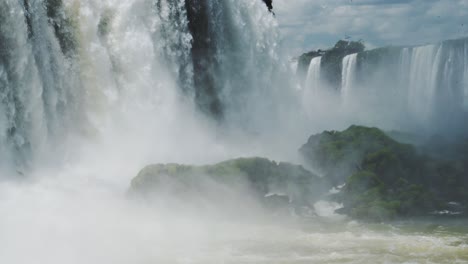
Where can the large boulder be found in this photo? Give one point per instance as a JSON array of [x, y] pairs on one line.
[[273, 184], [383, 178]]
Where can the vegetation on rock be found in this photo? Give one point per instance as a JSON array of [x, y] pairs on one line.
[[384, 178], [261, 176]]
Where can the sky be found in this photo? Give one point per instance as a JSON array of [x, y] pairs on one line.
[[311, 24]]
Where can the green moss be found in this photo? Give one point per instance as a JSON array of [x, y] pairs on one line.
[[340, 154], [384, 178], [259, 174]]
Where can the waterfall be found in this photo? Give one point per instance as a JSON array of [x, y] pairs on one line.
[[71, 69], [423, 87], [437, 82], [404, 65], [22, 121], [313, 80], [234, 50], [348, 77], [465, 79], [422, 83]]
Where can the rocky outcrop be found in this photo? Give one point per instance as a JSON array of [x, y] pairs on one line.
[[63, 25], [273, 184], [269, 4], [383, 178]]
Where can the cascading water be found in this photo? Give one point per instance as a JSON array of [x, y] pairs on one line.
[[313, 81], [22, 122], [348, 76], [465, 79], [422, 83], [437, 82], [93, 91], [73, 68], [421, 87]]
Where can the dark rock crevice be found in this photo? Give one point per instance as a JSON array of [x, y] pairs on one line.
[[206, 64], [203, 57], [269, 4]]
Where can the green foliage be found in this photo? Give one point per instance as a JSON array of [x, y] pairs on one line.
[[384, 178], [339, 154], [352, 46], [261, 175]]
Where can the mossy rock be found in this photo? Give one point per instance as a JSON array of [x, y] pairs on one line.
[[339, 154], [261, 176], [383, 178]]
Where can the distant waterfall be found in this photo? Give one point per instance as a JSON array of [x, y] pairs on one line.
[[69, 68], [422, 87], [438, 82], [313, 80], [465, 79], [422, 82], [348, 76]]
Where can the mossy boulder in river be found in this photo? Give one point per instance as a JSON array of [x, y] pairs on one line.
[[337, 155], [270, 182], [383, 178]]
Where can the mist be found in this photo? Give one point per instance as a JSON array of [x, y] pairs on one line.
[[104, 99], [93, 91], [419, 90]]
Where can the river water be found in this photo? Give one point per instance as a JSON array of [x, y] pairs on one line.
[[90, 221]]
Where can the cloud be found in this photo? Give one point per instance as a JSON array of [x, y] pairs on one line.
[[311, 24]]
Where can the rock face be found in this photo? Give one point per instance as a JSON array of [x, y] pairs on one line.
[[62, 24], [384, 178], [274, 184], [269, 4]]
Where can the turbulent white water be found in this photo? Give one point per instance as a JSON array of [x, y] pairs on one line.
[[83, 69], [92, 91]]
